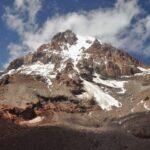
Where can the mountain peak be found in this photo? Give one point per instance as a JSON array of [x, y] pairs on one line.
[[84, 52], [65, 37], [74, 73]]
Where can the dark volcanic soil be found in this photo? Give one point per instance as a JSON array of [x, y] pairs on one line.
[[62, 138], [55, 138]]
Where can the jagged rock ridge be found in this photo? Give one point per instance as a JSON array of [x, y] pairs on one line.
[[80, 73], [85, 53]]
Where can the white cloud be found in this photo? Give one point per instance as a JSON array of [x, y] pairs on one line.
[[135, 39], [102, 23], [34, 7], [22, 16], [147, 51], [147, 20], [19, 3], [16, 50], [14, 17], [105, 24], [14, 22]]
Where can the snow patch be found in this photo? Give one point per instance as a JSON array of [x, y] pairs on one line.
[[110, 83], [76, 52], [33, 121], [146, 107], [36, 120], [38, 68], [10, 72], [84, 95], [144, 71], [105, 101]]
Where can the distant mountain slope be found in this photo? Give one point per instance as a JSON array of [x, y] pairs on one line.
[[75, 74]]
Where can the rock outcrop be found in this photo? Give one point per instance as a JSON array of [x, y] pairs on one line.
[[74, 74], [104, 58]]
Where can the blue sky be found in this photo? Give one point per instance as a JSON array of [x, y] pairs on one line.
[[26, 24]]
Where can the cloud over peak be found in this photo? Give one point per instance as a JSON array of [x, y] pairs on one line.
[[107, 24]]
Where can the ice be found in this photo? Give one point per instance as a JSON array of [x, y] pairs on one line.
[[38, 68], [110, 83], [75, 52], [36, 120], [146, 107], [144, 71], [33, 121], [105, 101]]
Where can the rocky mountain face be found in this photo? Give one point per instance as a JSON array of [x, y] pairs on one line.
[[74, 78], [85, 53], [81, 84]]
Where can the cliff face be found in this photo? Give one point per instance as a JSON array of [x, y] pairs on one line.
[[73, 73], [90, 54]]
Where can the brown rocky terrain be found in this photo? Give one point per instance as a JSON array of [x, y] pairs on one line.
[[131, 134], [104, 58], [78, 92]]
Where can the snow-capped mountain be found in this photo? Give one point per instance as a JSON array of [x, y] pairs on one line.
[[85, 54], [82, 71]]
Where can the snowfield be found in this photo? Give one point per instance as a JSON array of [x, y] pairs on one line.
[[144, 71], [75, 52], [33, 121], [110, 83], [38, 68], [105, 101]]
